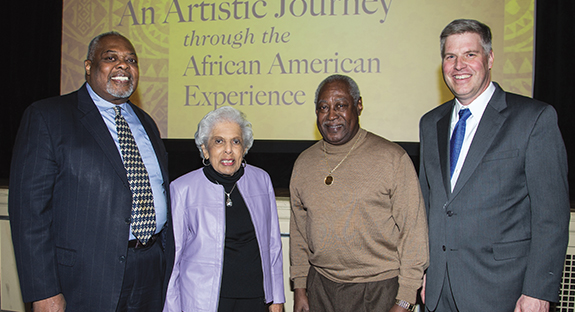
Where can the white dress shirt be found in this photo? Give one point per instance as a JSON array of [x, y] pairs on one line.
[[477, 108]]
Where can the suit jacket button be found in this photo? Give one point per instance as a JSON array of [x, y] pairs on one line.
[[127, 220], [443, 247], [122, 259], [449, 213]]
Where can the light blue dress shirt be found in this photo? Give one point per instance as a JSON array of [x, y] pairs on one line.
[[146, 151]]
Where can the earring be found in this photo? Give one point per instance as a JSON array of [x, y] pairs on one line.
[[244, 162], [204, 162]]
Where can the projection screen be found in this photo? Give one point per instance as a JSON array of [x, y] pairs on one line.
[[266, 57]]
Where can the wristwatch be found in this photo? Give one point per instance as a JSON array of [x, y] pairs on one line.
[[406, 305]]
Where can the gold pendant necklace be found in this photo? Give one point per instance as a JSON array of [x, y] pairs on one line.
[[329, 178]]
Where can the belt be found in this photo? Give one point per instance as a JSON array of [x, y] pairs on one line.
[[136, 244]]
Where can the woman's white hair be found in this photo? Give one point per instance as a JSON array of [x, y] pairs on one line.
[[223, 114]]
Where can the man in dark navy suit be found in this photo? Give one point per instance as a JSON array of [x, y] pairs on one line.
[[70, 199]]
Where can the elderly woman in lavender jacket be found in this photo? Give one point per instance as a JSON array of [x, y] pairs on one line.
[[228, 246]]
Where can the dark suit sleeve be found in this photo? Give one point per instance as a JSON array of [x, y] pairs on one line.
[[422, 174], [32, 177], [546, 177]]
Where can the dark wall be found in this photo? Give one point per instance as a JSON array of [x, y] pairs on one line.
[[554, 82], [32, 53], [33, 56]]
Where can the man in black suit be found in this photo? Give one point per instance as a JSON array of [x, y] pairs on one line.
[[77, 238], [493, 173]]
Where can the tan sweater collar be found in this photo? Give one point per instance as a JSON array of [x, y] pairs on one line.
[[344, 148]]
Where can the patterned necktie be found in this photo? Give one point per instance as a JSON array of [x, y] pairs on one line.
[[143, 212], [457, 138]]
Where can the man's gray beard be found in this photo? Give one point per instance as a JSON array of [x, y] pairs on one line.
[[122, 95]]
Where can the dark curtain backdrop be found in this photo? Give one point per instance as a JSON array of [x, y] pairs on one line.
[[554, 81], [32, 53]]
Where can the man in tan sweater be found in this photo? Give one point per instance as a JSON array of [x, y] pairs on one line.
[[358, 233]]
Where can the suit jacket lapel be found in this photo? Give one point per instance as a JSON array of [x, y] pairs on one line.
[[490, 123], [92, 120], [443, 138]]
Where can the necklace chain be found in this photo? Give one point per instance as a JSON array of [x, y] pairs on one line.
[[229, 202], [329, 178]]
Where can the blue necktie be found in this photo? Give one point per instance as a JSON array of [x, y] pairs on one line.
[[457, 138], [143, 212]]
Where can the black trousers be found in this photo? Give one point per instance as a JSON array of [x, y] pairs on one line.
[[143, 280], [242, 305]]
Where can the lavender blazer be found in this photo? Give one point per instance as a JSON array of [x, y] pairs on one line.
[[199, 230]]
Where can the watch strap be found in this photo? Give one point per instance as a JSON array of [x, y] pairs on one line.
[[406, 305]]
